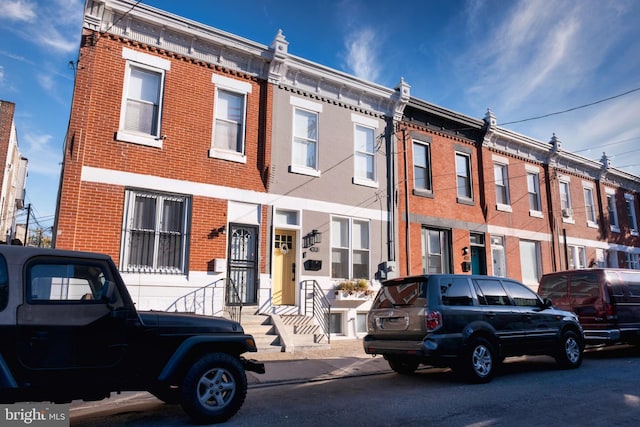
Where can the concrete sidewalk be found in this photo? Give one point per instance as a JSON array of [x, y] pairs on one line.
[[345, 358]]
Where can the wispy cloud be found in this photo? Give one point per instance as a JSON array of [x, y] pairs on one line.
[[1, 75], [361, 54], [40, 151], [18, 10]]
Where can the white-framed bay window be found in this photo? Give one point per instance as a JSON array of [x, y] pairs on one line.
[[364, 155], [155, 232], [229, 118], [350, 248], [142, 93], [304, 150]]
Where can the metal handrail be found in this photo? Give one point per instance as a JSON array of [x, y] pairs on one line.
[[201, 301], [320, 306]]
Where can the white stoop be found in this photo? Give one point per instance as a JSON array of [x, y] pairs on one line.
[[263, 331], [304, 333]]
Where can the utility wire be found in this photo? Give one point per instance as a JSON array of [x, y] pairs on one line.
[[572, 109]]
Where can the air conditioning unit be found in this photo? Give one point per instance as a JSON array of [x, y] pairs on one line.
[[567, 212]]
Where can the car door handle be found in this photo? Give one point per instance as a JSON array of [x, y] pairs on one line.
[[490, 314]]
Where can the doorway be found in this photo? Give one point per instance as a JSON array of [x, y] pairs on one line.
[[243, 264], [284, 267]]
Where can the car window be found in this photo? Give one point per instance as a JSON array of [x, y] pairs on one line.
[[584, 287], [400, 293], [491, 292], [554, 287], [64, 281], [456, 291], [4, 283], [520, 294], [632, 283]]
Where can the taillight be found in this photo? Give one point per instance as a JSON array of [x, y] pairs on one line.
[[609, 311], [433, 320]]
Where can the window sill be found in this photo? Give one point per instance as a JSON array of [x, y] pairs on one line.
[[420, 192], [634, 232], [592, 224], [139, 138], [232, 156], [364, 182], [465, 201], [304, 171], [503, 207], [536, 214], [615, 229]]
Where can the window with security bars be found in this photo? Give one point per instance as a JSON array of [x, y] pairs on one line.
[[155, 233]]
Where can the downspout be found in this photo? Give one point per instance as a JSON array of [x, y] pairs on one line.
[[407, 225], [551, 216]]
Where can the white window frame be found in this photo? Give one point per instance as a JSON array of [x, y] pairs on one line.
[[468, 187], [369, 125], [146, 62], [534, 173], [565, 200], [427, 251], [612, 210], [428, 188], [309, 107], [235, 87], [577, 257], [501, 181], [498, 253], [632, 261], [589, 204], [129, 227], [631, 214], [535, 268], [353, 246]]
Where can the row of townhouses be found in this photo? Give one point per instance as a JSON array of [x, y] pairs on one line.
[[205, 162]]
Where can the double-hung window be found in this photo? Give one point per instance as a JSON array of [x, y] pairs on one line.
[[612, 210], [306, 116], [530, 262], [141, 109], [463, 176], [364, 151], [435, 251], [631, 213], [501, 177], [577, 257], [533, 190], [589, 205], [230, 111], [350, 247], [422, 167], [155, 232], [565, 201]]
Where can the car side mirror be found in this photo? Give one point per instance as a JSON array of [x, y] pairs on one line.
[[547, 303], [108, 291]]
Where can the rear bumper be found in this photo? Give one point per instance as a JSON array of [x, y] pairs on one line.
[[601, 336], [252, 365], [431, 347]]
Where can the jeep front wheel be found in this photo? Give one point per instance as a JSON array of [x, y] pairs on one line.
[[214, 388]]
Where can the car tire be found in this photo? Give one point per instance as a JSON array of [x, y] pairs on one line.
[[570, 353], [402, 365], [214, 388], [479, 361]]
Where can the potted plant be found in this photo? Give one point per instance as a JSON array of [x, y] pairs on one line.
[[353, 289]]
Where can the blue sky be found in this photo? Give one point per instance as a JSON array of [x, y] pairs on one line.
[[522, 59]]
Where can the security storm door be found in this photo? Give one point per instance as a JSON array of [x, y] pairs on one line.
[[284, 268], [243, 264]]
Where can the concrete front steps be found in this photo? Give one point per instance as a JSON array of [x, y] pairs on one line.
[[287, 333]]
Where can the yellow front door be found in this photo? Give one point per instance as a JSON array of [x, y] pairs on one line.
[[284, 268]]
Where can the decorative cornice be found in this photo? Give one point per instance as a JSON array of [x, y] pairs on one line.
[[154, 27]]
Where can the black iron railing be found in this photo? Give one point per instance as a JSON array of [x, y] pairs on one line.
[[317, 305], [201, 301]]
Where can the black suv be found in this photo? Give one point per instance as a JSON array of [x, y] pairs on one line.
[[70, 331], [469, 323]]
